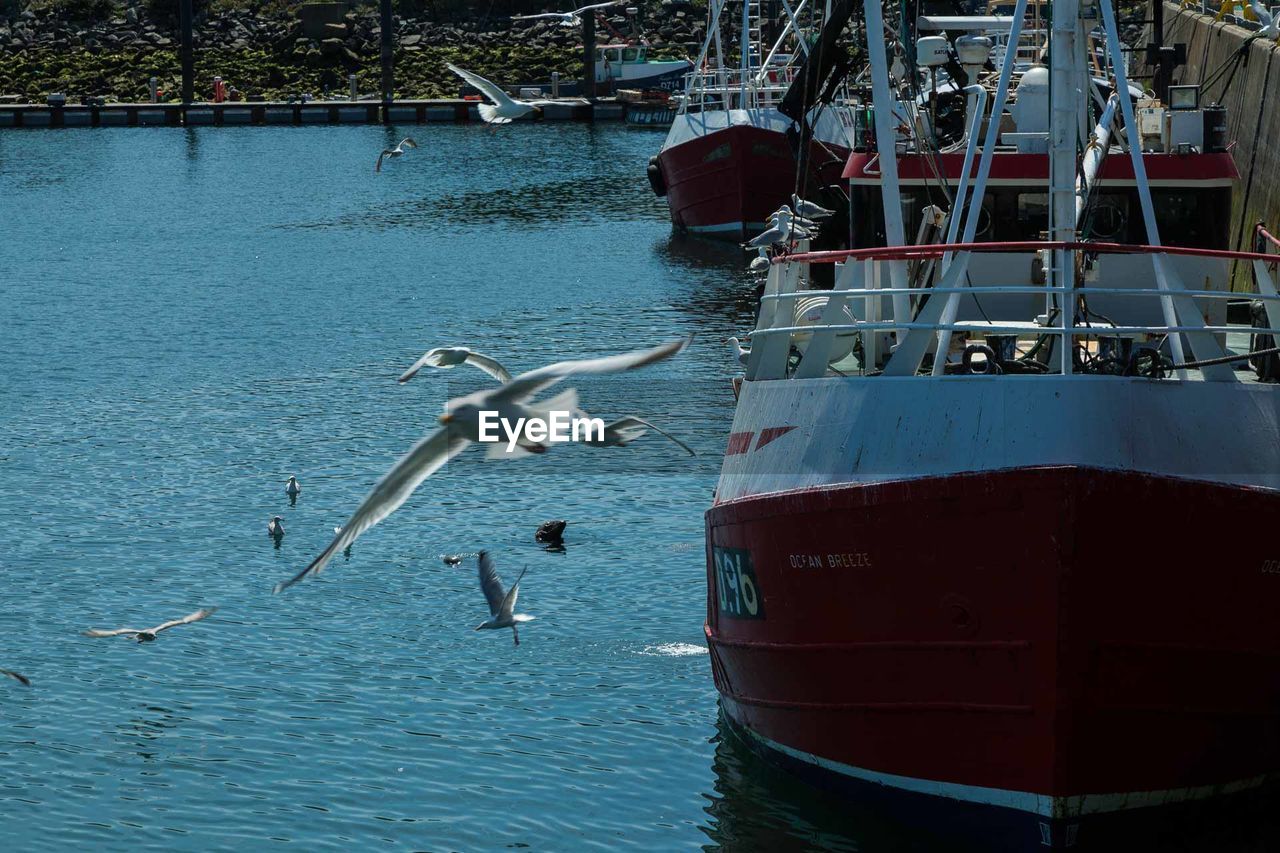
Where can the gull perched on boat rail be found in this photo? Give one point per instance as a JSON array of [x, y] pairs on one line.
[[146, 635], [398, 151], [569, 19], [460, 425], [784, 228], [504, 107], [808, 209], [502, 603], [446, 357]]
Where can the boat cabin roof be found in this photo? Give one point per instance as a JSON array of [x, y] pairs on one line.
[[964, 22]]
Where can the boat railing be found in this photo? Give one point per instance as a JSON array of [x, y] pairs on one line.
[[730, 88], [873, 330]]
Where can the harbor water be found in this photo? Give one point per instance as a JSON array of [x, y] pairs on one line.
[[189, 316]]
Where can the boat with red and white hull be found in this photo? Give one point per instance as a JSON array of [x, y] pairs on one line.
[[976, 545], [730, 157]]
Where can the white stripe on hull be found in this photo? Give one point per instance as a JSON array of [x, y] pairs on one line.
[[1042, 805]]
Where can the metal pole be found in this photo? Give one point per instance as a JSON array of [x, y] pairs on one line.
[[388, 64], [589, 54], [188, 52]]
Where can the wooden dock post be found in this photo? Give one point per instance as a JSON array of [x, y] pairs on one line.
[[188, 52], [388, 63], [589, 54]]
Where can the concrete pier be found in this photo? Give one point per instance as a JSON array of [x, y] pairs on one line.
[[277, 113]]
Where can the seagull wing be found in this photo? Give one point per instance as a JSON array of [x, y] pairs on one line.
[[431, 358], [491, 584], [630, 428], [489, 365], [377, 167], [766, 238], [408, 140], [487, 87], [595, 6], [508, 605], [424, 459], [17, 676], [543, 15], [202, 613], [95, 632], [526, 385]]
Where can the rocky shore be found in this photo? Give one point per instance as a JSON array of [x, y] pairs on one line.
[[100, 48]]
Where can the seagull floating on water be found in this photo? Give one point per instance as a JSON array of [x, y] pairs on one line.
[[292, 489], [501, 603], [16, 676], [146, 635], [627, 429], [504, 107], [569, 19], [460, 425], [446, 357], [274, 527], [398, 151]]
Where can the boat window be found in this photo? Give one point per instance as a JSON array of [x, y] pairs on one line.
[[615, 54], [764, 149], [1032, 216], [630, 55], [1195, 218]]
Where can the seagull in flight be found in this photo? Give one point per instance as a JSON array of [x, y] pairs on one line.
[[453, 356], [398, 151], [460, 425], [16, 676], [148, 634], [504, 107], [568, 19], [627, 429], [502, 603]]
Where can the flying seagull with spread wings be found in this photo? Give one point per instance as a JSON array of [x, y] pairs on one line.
[[398, 151], [446, 357], [627, 429], [460, 425], [502, 603], [568, 19], [146, 635], [504, 107]]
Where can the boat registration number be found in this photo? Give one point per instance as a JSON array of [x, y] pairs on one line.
[[737, 592]]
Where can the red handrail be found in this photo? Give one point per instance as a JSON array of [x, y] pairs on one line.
[[937, 250], [1270, 237]]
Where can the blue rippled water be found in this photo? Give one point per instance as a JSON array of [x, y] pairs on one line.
[[190, 316]]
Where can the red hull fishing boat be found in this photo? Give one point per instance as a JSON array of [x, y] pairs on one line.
[[730, 157], [986, 536]]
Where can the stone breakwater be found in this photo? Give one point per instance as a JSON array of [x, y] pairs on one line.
[[273, 55]]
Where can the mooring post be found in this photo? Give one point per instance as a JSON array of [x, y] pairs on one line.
[[188, 54], [388, 64], [589, 54]]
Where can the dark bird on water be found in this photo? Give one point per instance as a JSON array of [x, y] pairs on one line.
[[452, 559], [146, 635], [551, 532], [274, 527], [16, 676]]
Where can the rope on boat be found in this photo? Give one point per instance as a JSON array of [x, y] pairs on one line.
[[1226, 359]]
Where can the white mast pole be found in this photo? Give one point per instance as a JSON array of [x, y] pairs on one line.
[[886, 143], [1066, 102]]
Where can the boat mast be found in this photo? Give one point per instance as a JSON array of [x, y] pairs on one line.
[[1066, 103]]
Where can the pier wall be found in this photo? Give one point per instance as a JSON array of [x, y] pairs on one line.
[[1252, 99]]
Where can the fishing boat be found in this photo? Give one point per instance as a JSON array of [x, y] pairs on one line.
[[743, 130], [987, 538], [628, 66]]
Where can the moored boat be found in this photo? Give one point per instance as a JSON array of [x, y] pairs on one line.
[[985, 534]]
